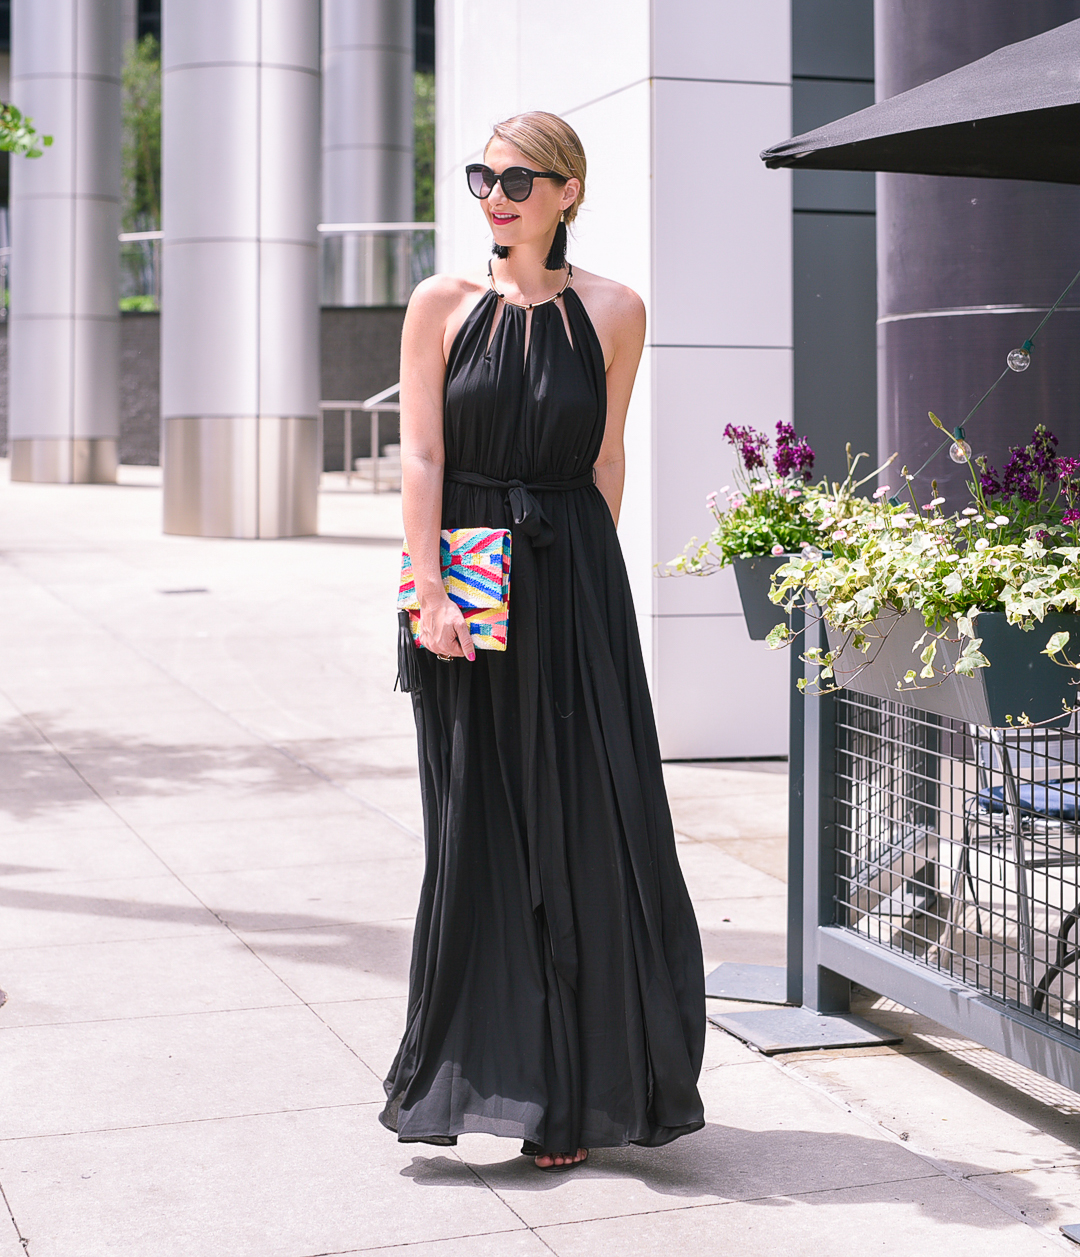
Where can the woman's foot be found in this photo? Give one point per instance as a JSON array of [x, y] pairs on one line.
[[557, 1161]]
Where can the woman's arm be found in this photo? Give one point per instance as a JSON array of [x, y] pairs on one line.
[[625, 322], [423, 369]]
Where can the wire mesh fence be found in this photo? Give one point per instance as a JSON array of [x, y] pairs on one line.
[[959, 846]]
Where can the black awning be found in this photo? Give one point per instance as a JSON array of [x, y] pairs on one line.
[[1012, 115]]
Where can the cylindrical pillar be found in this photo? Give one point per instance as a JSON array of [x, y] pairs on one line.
[[968, 267], [367, 147], [240, 310], [63, 408]]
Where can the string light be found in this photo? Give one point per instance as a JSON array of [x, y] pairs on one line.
[[960, 451], [1020, 359], [1017, 360]]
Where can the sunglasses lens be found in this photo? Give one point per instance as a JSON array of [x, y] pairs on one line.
[[517, 183], [481, 180]]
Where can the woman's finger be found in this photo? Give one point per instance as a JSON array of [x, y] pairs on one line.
[[464, 641]]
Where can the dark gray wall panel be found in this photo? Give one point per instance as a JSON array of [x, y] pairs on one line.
[[833, 38], [835, 374]]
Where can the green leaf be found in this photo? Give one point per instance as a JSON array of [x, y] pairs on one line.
[[1056, 644], [778, 637]]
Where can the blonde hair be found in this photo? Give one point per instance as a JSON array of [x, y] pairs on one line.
[[550, 144]]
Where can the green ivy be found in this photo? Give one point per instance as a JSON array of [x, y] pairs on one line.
[[17, 133]]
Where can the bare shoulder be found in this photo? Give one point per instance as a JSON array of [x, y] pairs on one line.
[[439, 306], [616, 311], [442, 294]]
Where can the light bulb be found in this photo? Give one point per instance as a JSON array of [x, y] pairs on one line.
[[960, 451], [1019, 359]]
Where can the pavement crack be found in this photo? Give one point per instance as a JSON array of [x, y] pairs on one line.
[[23, 1240]]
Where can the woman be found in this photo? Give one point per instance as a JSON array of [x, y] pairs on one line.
[[557, 991]]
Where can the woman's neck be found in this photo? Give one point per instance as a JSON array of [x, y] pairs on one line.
[[524, 271]]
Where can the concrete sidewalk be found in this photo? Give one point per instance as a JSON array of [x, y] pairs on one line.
[[209, 864]]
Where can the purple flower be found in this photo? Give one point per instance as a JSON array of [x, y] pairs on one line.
[[1071, 516], [1067, 467], [793, 454], [1030, 467], [1041, 535], [988, 481], [750, 444]]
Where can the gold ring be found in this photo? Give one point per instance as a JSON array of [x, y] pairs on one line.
[[444, 658]]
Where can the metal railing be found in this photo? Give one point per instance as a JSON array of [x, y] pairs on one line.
[[939, 866], [375, 406], [374, 264], [959, 847], [360, 264], [140, 270]]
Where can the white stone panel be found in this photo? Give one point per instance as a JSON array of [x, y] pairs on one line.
[[212, 31], [611, 234], [572, 53], [210, 358], [211, 121], [718, 695], [723, 39], [722, 252], [698, 392]]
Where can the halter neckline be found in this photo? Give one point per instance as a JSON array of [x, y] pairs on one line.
[[532, 304]]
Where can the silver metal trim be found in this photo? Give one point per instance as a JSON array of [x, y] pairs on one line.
[[951, 312], [1014, 1034], [63, 460], [241, 476]]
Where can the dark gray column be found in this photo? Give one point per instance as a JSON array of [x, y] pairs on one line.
[[65, 215], [967, 267]]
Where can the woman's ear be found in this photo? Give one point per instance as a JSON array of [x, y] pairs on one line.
[[570, 191]]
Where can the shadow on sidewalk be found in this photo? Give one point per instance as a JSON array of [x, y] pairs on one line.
[[725, 1164]]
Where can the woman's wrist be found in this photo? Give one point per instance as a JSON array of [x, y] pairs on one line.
[[431, 597]]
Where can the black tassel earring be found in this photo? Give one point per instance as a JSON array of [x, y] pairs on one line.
[[556, 258], [501, 251]]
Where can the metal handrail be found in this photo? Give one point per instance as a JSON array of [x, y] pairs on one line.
[[129, 237], [375, 406]]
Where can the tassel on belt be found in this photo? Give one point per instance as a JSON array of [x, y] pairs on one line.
[[527, 513]]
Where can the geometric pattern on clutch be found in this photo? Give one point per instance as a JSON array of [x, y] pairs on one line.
[[476, 572]]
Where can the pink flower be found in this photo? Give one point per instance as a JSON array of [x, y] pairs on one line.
[[778, 549], [882, 492]]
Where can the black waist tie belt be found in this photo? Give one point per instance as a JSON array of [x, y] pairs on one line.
[[525, 509]]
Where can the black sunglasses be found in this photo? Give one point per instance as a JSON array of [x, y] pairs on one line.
[[517, 181]]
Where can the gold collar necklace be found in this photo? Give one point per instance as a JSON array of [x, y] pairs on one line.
[[532, 304]]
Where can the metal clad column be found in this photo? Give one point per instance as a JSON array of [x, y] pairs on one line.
[[65, 211], [367, 143], [968, 267], [239, 360]]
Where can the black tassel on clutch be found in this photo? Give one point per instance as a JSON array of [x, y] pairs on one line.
[[556, 258], [408, 666]]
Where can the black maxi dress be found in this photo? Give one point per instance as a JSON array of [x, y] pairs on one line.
[[557, 987]]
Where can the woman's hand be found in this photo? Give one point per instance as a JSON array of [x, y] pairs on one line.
[[443, 630]]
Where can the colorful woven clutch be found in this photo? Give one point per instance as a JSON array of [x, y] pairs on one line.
[[476, 573]]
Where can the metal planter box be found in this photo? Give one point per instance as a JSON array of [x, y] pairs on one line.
[[754, 576], [1020, 681]]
